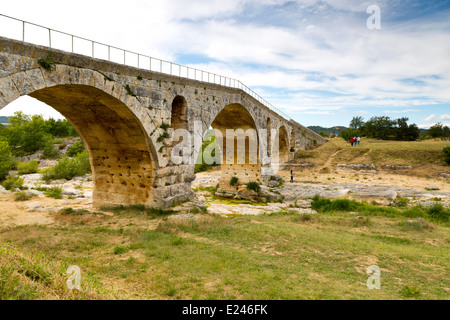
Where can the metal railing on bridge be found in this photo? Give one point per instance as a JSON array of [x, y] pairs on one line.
[[16, 29]]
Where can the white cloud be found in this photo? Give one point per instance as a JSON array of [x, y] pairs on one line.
[[324, 59], [444, 117], [430, 118], [401, 111]]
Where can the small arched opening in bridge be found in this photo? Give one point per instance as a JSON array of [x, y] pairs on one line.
[[120, 156], [282, 143], [239, 147], [179, 109], [178, 119]]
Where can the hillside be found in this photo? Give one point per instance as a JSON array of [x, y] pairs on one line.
[[423, 159], [335, 129]]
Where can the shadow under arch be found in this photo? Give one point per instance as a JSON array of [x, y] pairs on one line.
[[119, 150], [283, 144], [241, 159]]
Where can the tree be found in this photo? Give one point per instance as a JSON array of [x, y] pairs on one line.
[[356, 123], [436, 130], [60, 128], [347, 134], [439, 130], [406, 132], [28, 134], [6, 161], [379, 127]]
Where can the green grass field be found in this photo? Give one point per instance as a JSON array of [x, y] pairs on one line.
[[142, 255]]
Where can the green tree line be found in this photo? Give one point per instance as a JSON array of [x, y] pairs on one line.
[[383, 128]]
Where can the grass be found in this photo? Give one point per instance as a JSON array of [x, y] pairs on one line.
[[138, 210], [436, 212], [25, 275], [283, 255], [426, 157]]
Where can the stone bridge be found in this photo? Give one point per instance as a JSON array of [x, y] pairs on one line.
[[126, 117]]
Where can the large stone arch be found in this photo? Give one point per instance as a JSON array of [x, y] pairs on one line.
[[245, 163], [107, 118]]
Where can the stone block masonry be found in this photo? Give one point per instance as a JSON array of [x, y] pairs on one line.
[[126, 117]]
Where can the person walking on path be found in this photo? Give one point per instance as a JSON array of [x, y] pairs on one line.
[[358, 140], [292, 176], [351, 141]]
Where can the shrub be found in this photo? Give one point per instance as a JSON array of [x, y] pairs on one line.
[[415, 212], [22, 196], [47, 63], [12, 182], [27, 167], [6, 161], [75, 149], [401, 202], [437, 212], [252, 185], [55, 192], [67, 168], [234, 181], [50, 152], [446, 152], [119, 250], [409, 292], [335, 205]]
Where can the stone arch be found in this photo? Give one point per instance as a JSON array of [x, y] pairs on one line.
[[239, 160], [105, 116], [179, 109], [283, 144]]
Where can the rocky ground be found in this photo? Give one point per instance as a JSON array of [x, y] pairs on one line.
[[384, 188]]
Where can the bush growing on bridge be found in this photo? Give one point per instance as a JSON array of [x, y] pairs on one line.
[[252, 185], [234, 181]]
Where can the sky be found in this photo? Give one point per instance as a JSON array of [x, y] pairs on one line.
[[316, 60]]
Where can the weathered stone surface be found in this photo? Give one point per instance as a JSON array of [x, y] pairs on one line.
[[122, 114]]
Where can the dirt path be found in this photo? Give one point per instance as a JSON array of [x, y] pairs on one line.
[[327, 164]]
